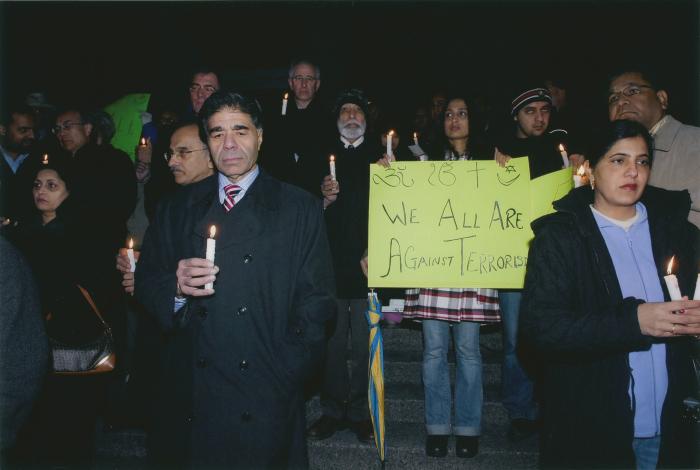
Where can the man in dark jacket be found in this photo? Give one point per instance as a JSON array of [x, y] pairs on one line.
[[16, 141], [239, 348], [346, 198]]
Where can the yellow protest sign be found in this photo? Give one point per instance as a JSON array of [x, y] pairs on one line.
[[449, 224], [126, 113], [548, 188]]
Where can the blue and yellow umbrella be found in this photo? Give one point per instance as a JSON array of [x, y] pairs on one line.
[[375, 393]]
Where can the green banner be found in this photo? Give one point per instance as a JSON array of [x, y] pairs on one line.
[[126, 112], [453, 223]]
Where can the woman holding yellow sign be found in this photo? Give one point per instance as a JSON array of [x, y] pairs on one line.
[[462, 311]]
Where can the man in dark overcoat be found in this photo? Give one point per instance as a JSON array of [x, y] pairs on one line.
[[238, 350]]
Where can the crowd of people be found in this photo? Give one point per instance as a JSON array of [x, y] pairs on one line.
[[218, 353]]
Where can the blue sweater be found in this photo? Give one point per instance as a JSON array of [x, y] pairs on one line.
[[633, 259]]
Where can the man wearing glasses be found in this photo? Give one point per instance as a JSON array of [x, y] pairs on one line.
[[636, 94], [293, 153]]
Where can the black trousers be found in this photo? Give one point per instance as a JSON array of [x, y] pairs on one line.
[[344, 393]]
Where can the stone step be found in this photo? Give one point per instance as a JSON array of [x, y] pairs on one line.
[[410, 408], [405, 449]]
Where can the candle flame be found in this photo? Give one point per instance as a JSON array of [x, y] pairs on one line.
[[669, 270], [286, 95], [131, 243], [46, 159], [391, 133], [212, 231], [143, 141], [561, 148], [581, 171], [332, 158]]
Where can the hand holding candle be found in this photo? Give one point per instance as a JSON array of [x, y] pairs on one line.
[[211, 251], [284, 104]]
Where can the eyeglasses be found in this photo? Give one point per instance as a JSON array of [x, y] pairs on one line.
[[182, 154], [65, 126], [195, 87], [628, 91], [303, 78]]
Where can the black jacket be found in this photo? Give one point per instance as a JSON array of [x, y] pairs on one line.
[[346, 218], [235, 362], [574, 315]]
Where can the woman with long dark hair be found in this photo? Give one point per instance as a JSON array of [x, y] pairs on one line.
[[460, 311]]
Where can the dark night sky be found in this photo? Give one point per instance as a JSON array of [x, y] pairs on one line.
[[397, 51]]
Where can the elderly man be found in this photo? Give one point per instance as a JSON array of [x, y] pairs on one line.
[[636, 94], [16, 141], [346, 198], [296, 154], [244, 330]]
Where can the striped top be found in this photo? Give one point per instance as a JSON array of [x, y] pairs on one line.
[[454, 305]]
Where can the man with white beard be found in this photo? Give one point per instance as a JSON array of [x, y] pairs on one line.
[[346, 200]]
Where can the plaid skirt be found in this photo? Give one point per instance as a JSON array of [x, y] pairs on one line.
[[453, 305]]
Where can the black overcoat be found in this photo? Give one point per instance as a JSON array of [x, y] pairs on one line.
[[235, 362], [573, 313]]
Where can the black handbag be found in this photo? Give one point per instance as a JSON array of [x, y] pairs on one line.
[[92, 356]]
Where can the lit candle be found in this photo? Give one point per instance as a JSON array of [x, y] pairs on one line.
[[389, 150], [284, 104], [415, 138], [578, 176], [564, 155], [672, 282], [45, 161], [143, 141], [130, 255], [211, 249], [331, 164], [696, 296]]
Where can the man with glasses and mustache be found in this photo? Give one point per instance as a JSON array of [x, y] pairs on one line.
[[636, 94], [294, 152], [346, 199]]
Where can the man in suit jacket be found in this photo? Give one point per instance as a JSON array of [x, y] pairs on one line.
[[238, 353]]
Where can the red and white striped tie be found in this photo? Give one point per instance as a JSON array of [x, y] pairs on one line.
[[231, 190]]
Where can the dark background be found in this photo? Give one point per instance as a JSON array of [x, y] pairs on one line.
[[398, 51]]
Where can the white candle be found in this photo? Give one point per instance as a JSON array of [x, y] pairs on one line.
[[331, 164], [211, 250], [672, 282], [415, 138], [130, 255], [696, 296], [578, 176], [564, 155], [284, 104], [389, 150]]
